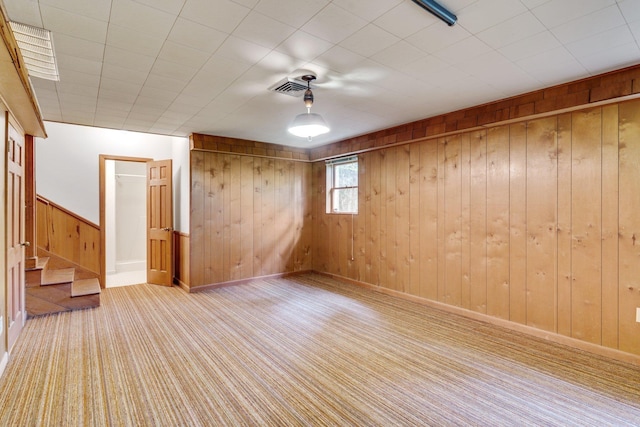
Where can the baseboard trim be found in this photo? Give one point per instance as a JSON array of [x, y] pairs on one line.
[[610, 353], [3, 362], [244, 281]]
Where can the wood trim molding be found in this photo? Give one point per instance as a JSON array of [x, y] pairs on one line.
[[220, 144], [517, 327]]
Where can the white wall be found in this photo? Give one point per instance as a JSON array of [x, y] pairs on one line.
[[67, 166]]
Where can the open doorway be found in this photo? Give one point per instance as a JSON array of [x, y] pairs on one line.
[[123, 224], [126, 222]]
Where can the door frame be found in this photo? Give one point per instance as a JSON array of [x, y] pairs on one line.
[[103, 239]]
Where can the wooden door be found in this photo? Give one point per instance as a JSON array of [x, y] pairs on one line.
[[16, 314], [159, 223]]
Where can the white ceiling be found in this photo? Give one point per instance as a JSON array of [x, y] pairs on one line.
[[175, 67]]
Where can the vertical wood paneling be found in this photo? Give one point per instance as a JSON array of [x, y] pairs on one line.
[[227, 237], [252, 217], [257, 218], [586, 222], [541, 223], [415, 221], [610, 226], [391, 224], [478, 223], [441, 221], [383, 269], [269, 239], [235, 219], [374, 233], [452, 214], [518, 223], [321, 256], [196, 218], [498, 222], [564, 222], [629, 232], [246, 217], [465, 220], [365, 215], [403, 219], [429, 219]]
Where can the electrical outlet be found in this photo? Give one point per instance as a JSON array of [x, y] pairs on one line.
[[638, 314]]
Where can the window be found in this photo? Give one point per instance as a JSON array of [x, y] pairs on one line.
[[342, 185]]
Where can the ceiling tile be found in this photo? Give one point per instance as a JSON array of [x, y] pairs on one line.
[[512, 30], [134, 41], [369, 40], [463, 51], [291, 12], [182, 72], [262, 30], [121, 73], [74, 63], [304, 46], [398, 55], [623, 55], [222, 15], [486, 13], [72, 88], [334, 24], [558, 12], [241, 50], [338, 59], [80, 78], [96, 9], [142, 18], [126, 59], [181, 54], [530, 46], [196, 36], [367, 9], [405, 19], [589, 25], [72, 46], [72, 24], [601, 42], [630, 9], [25, 12], [546, 64], [437, 37], [170, 6], [166, 83]]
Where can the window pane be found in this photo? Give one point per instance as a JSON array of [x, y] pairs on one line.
[[346, 175], [345, 200]]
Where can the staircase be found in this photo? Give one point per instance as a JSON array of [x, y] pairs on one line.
[[56, 290]]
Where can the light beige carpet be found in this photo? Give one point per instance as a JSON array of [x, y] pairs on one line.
[[300, 351]]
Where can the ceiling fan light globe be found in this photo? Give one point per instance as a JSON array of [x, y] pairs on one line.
[[308, 125]]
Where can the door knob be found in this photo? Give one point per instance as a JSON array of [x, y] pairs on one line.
[[167, 229], [25, 244]]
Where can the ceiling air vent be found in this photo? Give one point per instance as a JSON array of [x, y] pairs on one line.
[[37, 51], [289, 86]]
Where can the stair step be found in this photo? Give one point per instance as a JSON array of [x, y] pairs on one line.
[[42, 263], [85, 287], [56, 277]]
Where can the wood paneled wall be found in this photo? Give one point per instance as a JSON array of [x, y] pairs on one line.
[[250, 217], [67, 235], [181, 255], [535, 222]]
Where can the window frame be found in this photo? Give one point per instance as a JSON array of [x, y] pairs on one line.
[[331, 170]]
